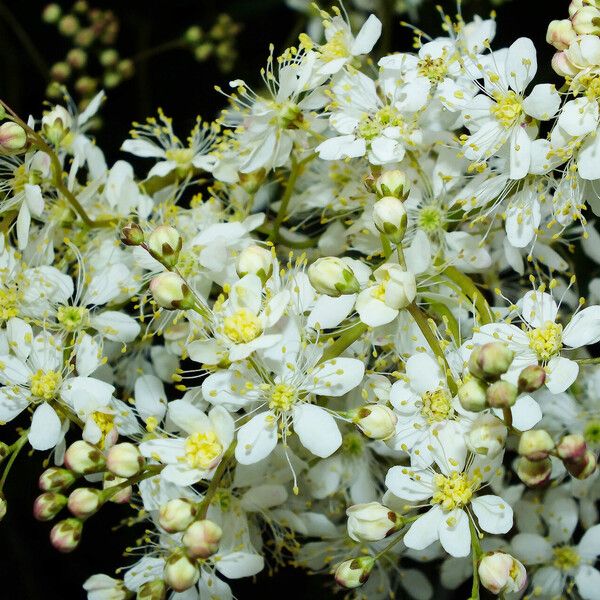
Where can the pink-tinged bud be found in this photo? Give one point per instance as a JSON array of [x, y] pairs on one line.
[[83, 458], [124, 460], [164, 244], [84, 502], [201, 539], [56, 479], [355, 572], [584, 467], [371, 522], [501, 394], [132, 234], [563, 66], [491, 360], [560, 34], [376, 421], [487, 436], [471, 395], [571, 447], [177, 515], [535, 444], [12, 136], [586, 21], [500, 573], [48, 505], [3, 506], [66, 535], [152, 590], [531, 378], [123, 495], [170, 291], [180, 572], [534, 473]]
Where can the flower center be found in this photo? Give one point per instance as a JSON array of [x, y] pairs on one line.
[[335, 48], [201, 449], [182, 156], [106, 423], [9, 303], [431, 219], [45, 384], [508, 108], [242, 326], [352, 444], [591, 432], [546, 341], [72, 317], [432, 68], [283, 397], [566, 558], [371, 126], [436, 406], [454, 491], [289, 115], [187, 263]]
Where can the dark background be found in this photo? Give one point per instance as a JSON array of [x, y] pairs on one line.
[[29, 568]]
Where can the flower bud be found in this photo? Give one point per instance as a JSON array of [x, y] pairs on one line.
[[571, 447], [164, 244], [535, 444], [534, 473], [471, 395], [60, 71], [120, 497], [180, 572], [560, 34], [56, 124], [201, 539], [170, 291], [371, 522], [152, 590], [562, 65], [584, 467], [500, 573], [77, 58], [48, 505], [68, 25], [487, 436], [587, 21], [84, 502], [83, 458], [501, 394], [390, 218], [531, 378], [12, 136], [56, 479], [255, 260], [376, 421], [132, 234], [393, 183], [124, 460], [177, 515], [3, 506], [51, 13], [66, 535], [353, 573], [490, 360], [333, 277]]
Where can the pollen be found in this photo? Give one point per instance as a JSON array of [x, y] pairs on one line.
[[431, 219], [45, 384], [454, 491], [371, 126], [508, 108], [242, 326], [9, 303], [335, 48], [546, 341], [436, 406], [433, 68], [72, 318], [283, 397], [566, 558], [201, 449], [106, 423]]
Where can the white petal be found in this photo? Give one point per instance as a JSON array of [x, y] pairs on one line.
[[116, 326], [589, 546], [493, 513], [521, 64], [188, 418], [424, 531], [317, 430], [143, 148], [562, 372], [584, 328], [579, 116], [526, 413], [587, 580], [45, 430], [150, 397], [401, 484], [335, 377], [543, 102], [168, 451], [520, 153], [257, 438], [454, 533], [531, 549], [538, 307], [367, 36], [239, 564], [424, 373], [588, 159]]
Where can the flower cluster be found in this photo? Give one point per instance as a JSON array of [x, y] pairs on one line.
[[338, 328]]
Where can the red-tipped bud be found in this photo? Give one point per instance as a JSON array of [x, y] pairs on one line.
[[531, 378], [48, 505], [534, 473], [56, 479], [84, 502], [201, 539], [66, 535], [124, 460], [535, 444]]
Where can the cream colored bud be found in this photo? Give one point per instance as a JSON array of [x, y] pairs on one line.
[[164, 244], [83, 458], [534, 473], [575, 5], [51, 13], [371, 522], [500, 573], [390, 218], [333, 277], [560, 34], [393, 183], [563, 66], [12, 136], [180, 572], [84, 502], [201, 538], [487, 436], [124, 460], [48, 505], [255, 260], [121, 496], [56, 124], [535, 444], [353, 573], [490, 360], [531, 378], [66, 535], [471, 395], [56, 479], [376, 421], [586, 21], [170, 291], [177, 515], [501, 394]]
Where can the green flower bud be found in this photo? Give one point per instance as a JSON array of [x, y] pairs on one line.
[[390, 218], [333, 277], [48, 505], [132, 235], [501, 394], [471, 395], [490, 360], [12, 136]]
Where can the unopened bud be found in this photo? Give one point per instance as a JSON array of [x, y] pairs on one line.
[[103, 587], [193, 34], [48, 505], [60, 71], [56, 479], [201, 538], [560, 34], [77, 58], [152, 590], [177, 515], [574, 6], [83, 458], [562, 65], [109, 57], [255, 260], [355, 572], [56, 124], [534, 473], [571, 447], [471, 395], [12, 136], [376, 421], [535, 444], [333, 277], [587, 21], [487, 436], [371, 522], [180, 572], [124, 460], [170, 291], [490, 360], [393, 183], [164, 244], [583, 468], [500, 573], [501, 394], [532, 378], [390, 218], [121, 496], [132, 234], [51, 13], [84, 502], [66, 535]]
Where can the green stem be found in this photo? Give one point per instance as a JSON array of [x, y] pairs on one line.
[[345, 340], [216, 480], [386, 246], [588, 361], [475, 554], [507, 415], [148, 472], [471, 291], [14, 450], [447, 315]]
